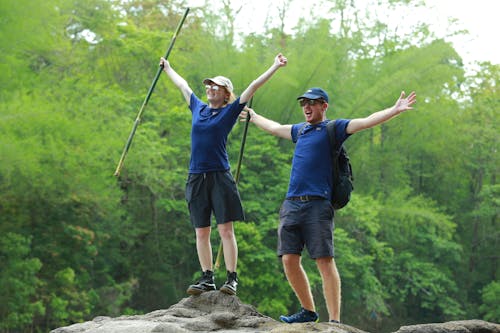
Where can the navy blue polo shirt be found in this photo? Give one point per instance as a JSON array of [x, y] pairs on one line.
[[311, 172], [209, 132]]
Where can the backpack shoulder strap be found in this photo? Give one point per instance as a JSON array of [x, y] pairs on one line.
[[330, 127], [334, 150], [301, 130]]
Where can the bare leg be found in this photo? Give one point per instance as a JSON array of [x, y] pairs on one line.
[[298, 280], [331, 286], [204, 248], [229, 245]]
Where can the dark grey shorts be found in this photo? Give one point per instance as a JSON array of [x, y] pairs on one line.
[[309, 224], [213, 192]]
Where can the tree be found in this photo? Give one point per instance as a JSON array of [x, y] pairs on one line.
[[490, 307], [20, 284], [73, 77]]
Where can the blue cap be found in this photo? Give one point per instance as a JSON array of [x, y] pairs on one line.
[[315, 93]]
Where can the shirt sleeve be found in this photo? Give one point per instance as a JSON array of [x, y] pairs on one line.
[[340, 130], [295, 131], [194, 102]]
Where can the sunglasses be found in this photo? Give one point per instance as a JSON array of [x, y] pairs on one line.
[[214, 87], [311, 102]]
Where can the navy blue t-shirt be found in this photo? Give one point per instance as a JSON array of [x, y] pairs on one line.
[[312, 162], [209, 132]]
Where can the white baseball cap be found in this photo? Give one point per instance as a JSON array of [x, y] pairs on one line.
[[221, 81]]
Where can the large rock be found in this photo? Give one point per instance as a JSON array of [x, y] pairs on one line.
[[217, 312], [466, 326]]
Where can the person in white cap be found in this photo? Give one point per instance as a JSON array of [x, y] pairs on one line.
[[210, 186], [306, 215]]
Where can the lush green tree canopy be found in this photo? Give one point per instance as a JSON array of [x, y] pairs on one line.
[[418, 242]]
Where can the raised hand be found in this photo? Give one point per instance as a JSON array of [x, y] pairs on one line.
[[280, 60], [164, 63], [405, 103]]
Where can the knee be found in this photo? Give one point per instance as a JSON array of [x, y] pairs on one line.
[[290, 260], [203, 233], [325, 261], [226, 231], [327, 266]]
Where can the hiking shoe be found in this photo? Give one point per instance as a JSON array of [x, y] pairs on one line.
[[303, 316], [205, 283], [230, 286], [334, 321]]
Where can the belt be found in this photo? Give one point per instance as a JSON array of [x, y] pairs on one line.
[[306, 198]]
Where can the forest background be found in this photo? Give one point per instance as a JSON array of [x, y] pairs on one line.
[[418, 243]]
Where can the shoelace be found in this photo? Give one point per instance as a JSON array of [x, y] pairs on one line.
[[299, 315]]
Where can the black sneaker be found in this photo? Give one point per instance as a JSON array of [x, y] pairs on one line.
[[303, 316], [334, 321], [230, 286], [205, 283]]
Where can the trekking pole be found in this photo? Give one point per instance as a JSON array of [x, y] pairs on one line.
[[138, 118], [243, 141], [238, 168]]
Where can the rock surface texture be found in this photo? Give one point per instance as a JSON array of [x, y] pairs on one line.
[[217, 312]]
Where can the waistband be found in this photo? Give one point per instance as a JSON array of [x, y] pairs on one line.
[[306, 198]]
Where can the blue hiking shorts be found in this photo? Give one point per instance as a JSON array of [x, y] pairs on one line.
[[213, 192], [306, 224]]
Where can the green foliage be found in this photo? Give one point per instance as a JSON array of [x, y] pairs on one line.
[[359, 253], [68, 302], [19, 281], [77, 242], [421, 275], [490, 307]]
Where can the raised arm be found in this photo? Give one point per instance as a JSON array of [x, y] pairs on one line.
[[279, 61], [268, 125], [177, 79], [402, 104]]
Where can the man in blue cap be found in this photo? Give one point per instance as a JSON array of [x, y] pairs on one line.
[[306, 215]]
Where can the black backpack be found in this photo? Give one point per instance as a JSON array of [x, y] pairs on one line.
[[342, 171]]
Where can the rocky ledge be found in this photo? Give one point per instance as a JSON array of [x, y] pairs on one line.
[[217, 312]]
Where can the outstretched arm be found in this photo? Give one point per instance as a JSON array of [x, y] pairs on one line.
[[177, 79], [402, 104], [279, 61], [268, 125]]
